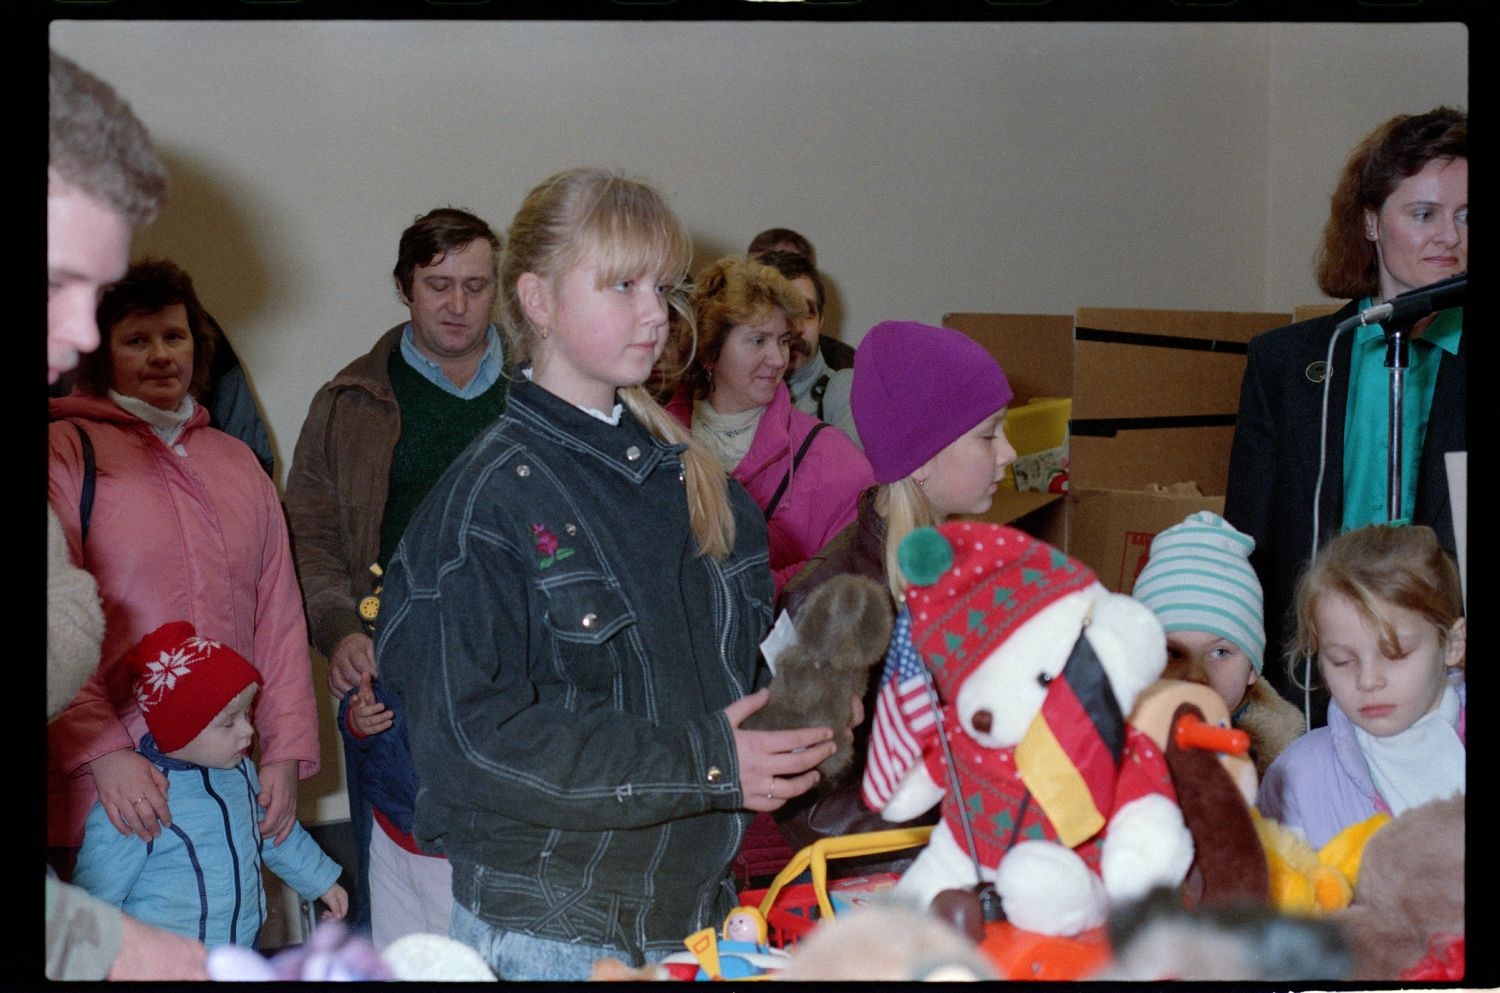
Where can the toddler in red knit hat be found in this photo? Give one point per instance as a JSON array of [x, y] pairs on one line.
[[202, 876]]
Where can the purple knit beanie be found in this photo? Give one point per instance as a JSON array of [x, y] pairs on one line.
[[916, 389]]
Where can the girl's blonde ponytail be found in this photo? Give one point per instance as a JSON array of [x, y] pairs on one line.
[[707, 484]]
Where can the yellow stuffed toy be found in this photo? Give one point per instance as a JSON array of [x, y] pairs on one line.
[[1314, 883]]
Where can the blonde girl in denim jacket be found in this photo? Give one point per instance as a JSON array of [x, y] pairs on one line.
[[572, 619]]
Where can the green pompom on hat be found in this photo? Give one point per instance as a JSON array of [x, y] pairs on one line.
[[923, 556]]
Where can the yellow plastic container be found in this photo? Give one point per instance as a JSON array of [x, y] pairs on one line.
[[1034, 428]]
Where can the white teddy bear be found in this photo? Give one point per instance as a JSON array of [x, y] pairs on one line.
[[1069, 809]]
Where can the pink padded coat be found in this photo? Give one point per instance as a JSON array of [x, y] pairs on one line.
[[193, 532], [822, 494]]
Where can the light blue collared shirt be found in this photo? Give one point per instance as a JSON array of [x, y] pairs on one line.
[[485, 376]]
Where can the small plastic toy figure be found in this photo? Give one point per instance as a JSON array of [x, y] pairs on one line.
[[745, 926], [741, 949]]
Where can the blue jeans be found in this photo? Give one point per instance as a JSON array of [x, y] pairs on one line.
[[516, 956]]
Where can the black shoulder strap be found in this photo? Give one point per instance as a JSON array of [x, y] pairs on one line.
[[796, 461], [86, 496]]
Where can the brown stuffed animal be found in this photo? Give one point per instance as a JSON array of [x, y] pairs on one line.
[[1215, 784], [842, 632], [1409, 899]]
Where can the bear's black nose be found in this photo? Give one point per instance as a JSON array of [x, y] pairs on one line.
[[982, 721]]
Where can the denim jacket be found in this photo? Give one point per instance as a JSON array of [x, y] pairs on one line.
[[564, 654]]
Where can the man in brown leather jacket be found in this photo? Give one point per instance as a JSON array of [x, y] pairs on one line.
[[378, 435]]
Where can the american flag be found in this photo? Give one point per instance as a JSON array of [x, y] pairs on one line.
[[904, 719]]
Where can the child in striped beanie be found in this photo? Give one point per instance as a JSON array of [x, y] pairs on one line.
[[1199, 582]]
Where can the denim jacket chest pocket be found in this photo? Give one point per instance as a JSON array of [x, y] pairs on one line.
[[588, 620]]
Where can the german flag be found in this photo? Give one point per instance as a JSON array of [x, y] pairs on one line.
[[1070, 756]]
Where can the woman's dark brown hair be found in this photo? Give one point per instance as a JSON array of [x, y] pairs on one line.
[[150, 286]]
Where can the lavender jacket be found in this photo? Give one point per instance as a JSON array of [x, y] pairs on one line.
[[1320, 784]]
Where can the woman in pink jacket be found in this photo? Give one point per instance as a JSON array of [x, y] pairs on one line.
[[805, 478], [176, 521]]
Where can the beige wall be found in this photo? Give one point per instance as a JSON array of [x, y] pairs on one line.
[[1025, 167]]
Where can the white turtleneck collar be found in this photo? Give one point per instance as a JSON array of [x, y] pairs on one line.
[[612, 418], [167, 424]]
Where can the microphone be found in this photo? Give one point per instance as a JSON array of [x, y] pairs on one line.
[[1413, 304]]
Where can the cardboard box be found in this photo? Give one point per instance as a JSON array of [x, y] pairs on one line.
[[1111, 530], [1307, 311], [1154, 395]]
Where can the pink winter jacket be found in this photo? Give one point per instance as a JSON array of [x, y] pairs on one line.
[[822, 495], [193, 533]]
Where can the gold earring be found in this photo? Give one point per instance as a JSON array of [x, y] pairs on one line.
[[545, 332]]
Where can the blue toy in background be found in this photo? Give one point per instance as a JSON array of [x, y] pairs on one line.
[[741, 949]]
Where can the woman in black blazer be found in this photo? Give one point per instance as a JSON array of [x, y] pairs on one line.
[[1399, 220]]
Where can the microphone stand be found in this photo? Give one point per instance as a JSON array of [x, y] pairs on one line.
[[1397, 317], [1397, 360]]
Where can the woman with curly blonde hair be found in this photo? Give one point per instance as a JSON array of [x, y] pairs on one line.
[[733, 397]]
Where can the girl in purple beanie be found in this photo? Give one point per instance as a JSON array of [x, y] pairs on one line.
[[929, 405]]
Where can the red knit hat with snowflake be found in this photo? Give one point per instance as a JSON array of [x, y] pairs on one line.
[[183, 681], [970, 585]]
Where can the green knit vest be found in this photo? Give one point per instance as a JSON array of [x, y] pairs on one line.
[[435, 427]]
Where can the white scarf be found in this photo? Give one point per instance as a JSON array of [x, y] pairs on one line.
[[166, 423], [728, 436], [1424, 762]]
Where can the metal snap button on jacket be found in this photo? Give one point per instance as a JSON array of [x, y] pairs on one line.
[[632, 454]]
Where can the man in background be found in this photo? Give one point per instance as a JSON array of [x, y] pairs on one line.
[[377, 437], [836, 354]]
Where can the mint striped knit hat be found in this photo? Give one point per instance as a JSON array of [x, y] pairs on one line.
[[1198, 578]]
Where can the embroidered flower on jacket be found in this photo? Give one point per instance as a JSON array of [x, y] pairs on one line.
[[547, 546]]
